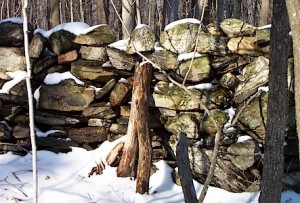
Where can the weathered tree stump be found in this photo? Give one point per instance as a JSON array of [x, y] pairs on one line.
[[138, 132]]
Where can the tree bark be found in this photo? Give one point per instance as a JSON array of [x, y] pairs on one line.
[[55, 13], [264, 12], [102, 11], [271, 186], [184, 170], [30, 103], [293, 8], [128, 14], [138, 128], [142, 80]]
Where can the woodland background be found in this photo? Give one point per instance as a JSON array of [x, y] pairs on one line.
[[155, 13]]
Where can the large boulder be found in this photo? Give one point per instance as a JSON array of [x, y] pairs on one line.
[[141, 39], [97, 35], [210, 44], [93, 53], [201, 70], [65, 96], [180, 36], [61, 42], [234, 28], [11, 32], [173, 97]]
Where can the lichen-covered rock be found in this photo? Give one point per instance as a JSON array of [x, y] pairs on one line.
[[180, 36], [254, 75], [5, 135], [210, 44], [185, 122], [12, 59], [242, 154], [165, 59], [207, 125], [226, 175], [262, 36], [65, 96], [93, 53], [173, 97], [97, 36], [201, 70], [141, 39], [234, 27], [246, 46], [253, 119]]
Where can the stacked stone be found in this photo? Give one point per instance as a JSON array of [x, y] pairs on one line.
[[222, 65]]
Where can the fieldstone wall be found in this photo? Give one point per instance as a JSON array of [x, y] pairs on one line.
[[82, 85]]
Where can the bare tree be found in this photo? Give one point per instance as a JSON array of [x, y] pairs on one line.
[[264, 12], [293, 8], [128, 15], [30, 103], [271, 186], [55, 13], [102, 11]]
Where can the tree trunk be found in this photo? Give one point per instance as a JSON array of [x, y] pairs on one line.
[[102, 11], [55, 13], [142, 81], [264, 12], [138, 128], [271, 186], [128, 14], [293, 8]]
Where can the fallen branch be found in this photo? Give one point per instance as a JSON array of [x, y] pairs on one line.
[[6, 181]]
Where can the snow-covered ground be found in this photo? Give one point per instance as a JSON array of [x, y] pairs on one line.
[[63, 178]]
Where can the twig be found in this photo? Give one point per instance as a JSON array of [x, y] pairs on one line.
[[6, 181], [196, 45]]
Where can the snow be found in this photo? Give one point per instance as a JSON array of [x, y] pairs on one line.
[[202, 86], [13, 20], [121, 44], [264, 27], [63, 178], [17, 77], [182, 21], [55, 78], [139, 26], [76, 28], [188, 56]]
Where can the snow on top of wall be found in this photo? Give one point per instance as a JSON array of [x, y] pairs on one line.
[[14, 20], [121, 44], [90, 29], [76, 28], [187, 56], [55, 78], [140, 26], [264, 27], [185, 20]]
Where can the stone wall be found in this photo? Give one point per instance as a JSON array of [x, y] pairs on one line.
[[82, 83]]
